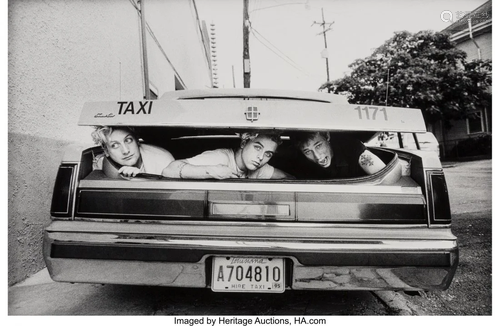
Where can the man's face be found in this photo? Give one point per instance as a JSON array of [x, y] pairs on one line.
[[258, 152], [318, 150], [123, 148]]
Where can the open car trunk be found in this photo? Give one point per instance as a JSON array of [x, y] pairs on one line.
[[386, 197], [393, 226]]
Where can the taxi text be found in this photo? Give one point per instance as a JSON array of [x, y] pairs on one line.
[[135, 107]]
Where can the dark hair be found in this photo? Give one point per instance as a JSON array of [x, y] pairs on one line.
[[299, 138], [275, 136]]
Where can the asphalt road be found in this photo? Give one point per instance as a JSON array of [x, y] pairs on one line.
[[470, 293], [470, 192], [469, 186], [49, 298]]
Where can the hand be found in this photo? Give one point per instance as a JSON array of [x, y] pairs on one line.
[[221, 172], [129, 171]]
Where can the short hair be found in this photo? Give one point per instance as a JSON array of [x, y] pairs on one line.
[[273, 135], [101, 133], [299, 138]]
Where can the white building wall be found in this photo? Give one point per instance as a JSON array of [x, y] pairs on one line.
[[485, 44], [175, 23], [61, 55]]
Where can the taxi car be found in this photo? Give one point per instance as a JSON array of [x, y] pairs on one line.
[[387, 231]]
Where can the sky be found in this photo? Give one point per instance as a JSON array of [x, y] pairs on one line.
[[286, 42]]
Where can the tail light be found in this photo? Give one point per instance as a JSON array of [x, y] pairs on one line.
[[438, 199], [62, 198]]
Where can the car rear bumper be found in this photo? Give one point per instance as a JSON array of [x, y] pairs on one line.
[[329, 257]]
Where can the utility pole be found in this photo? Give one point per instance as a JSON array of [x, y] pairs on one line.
[[246, 51], [325, 29], [144, 52]]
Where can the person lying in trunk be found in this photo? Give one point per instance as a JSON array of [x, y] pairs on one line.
[[125, 156], [248, 161], [333, 157]]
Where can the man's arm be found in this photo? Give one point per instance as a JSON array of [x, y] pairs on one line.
[[279, 174], [183, 170], [110, 168], [370, 162]]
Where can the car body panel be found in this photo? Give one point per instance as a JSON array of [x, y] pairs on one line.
[[318, 253], [234, 200]]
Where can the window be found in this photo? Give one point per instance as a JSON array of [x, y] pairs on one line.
[[475, 123]]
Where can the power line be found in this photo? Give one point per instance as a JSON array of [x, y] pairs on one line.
[[248, 27], [254, 30], [289, 61], [279, 5], [283, 56], [153, 36]]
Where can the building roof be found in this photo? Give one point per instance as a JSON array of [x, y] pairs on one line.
[[478, 16]]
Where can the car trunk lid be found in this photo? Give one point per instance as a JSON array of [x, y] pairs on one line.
[[246, 114]]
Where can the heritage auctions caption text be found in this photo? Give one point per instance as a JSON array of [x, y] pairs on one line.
[[244, 321]]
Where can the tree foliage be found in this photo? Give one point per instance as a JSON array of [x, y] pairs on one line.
[[423, 70]]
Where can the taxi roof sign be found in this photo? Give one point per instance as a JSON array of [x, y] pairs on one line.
[[221, 112]]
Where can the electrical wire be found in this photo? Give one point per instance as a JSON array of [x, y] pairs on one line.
[[150, 31], [257, 4], [135, 5], [164, 54], [281, 54], [254, 30], [279, 5]]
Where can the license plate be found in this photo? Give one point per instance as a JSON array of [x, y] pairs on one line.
[[246, 274]]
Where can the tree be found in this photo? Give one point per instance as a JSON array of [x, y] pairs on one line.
[[423, 70]]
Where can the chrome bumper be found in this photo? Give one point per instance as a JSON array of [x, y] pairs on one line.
[[322, 258]]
